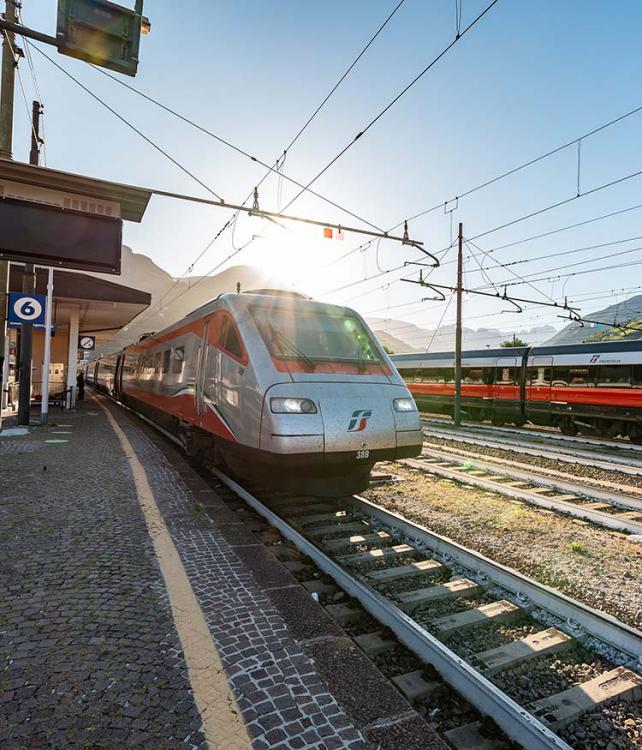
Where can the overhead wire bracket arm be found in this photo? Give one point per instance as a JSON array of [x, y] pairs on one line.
[[512, 302], [270, 215]]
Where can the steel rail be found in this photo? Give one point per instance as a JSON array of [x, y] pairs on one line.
[[603, 626], [536, 432], [588, 492], [516, 721], [598, 517], [610, 464]]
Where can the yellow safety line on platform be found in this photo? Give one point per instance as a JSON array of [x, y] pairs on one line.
[[222, 721]]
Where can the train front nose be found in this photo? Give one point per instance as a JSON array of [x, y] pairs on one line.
[[332, 449], [352, 421], [360, 422]]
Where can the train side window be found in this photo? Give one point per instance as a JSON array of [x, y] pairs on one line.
[[177, 360], [447, 375], [233, 342], [614, 376], [472, 375], [430, 375], [157, 363], [505, 376], [636, 380], [223, 331], [539, 376], [561, 376], [579, 376], [166, 359]]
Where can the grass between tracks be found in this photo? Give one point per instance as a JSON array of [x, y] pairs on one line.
[[597, 566]]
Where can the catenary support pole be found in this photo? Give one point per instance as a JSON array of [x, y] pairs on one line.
[[7, 87], [457, 410], [44, 407], [28, 287]]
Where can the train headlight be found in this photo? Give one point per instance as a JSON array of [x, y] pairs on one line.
[[404, 404], [292, 406]]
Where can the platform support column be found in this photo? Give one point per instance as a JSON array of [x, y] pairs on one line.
[[44, 407], [72, 356]]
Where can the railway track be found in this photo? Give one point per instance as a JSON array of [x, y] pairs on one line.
[[613, 461], [396, 569], [614, 510], [537, 432], [429, 590]]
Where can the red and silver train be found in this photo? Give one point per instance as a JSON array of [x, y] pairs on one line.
[[286, 391], [588, 388]]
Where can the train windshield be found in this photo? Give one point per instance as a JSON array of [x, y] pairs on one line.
[[313, 335]]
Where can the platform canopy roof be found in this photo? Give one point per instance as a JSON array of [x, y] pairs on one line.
[[105, 307], [133, 200]]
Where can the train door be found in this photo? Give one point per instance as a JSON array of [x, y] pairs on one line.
[[118, 380], [201, 374], [506, 390], [537, 399], [233, 361]]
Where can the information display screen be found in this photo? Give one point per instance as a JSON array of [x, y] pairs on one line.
[[49, 236]]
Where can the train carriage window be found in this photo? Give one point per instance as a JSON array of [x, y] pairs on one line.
[[539, 376], [447, 375], [573, 377], [614, 376], [429, 375], [233, 342], [505, 376], [157, 363], [166, 359], [472, 375], [636, 380], [223, 331], [177, 360]]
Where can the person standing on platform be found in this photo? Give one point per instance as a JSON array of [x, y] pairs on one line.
[[80, 383]]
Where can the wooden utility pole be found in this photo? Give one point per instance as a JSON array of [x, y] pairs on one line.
[[28, 287], [457, 410], [7, 87]]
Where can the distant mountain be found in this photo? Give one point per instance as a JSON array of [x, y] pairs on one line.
[[172, 298], [392, 343], [409, 337], [624, 312]]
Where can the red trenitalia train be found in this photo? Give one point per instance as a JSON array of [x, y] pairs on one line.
[[280, 389], [588, 388]]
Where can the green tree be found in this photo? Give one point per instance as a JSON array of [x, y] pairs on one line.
[[515, 341]]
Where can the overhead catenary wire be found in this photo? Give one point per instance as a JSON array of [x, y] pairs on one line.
[[505, 225], [390, 104], [269, 171], [16, 59], [280, 160], [513, 171], [526, 279], [36, 86], [129, 124]]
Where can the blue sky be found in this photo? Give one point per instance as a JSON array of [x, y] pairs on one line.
[[528, 77]]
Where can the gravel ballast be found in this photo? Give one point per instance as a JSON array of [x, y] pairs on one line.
[[596, 566]]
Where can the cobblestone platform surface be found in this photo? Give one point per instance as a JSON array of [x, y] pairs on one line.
[[90, 656]]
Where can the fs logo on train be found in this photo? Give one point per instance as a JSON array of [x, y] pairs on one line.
[[359, 420]]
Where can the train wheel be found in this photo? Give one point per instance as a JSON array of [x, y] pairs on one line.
[[497, 421], [568, 427]]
